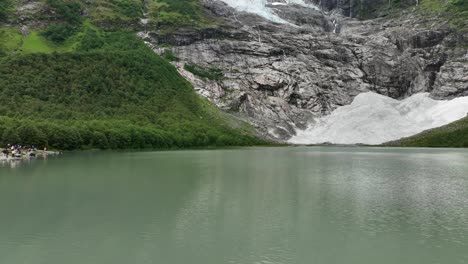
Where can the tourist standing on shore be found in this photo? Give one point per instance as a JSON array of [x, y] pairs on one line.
[[32, 152]]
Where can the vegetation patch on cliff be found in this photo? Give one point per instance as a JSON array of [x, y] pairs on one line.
[[208, 73], [454, 11], [458, 13], [115, 12], [170, 15]]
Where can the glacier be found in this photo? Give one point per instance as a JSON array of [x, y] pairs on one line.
[[375, 119], [260, 7]]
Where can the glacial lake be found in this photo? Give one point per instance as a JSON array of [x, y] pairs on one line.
[[293, 205]]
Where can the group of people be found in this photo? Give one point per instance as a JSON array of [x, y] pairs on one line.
[[18, 151]]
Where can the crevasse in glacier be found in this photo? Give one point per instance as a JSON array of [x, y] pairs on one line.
[[375, 119]]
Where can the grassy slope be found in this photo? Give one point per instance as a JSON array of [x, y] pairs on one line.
[[454, 135], [10, 39], [35, 43], [102, 88], [114, 12], [166, 15], [171, 15], [453, 11]]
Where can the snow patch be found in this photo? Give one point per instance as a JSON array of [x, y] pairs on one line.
[[261, 7], [376, 119]]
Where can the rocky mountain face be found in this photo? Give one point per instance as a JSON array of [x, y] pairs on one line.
[[281, 76]]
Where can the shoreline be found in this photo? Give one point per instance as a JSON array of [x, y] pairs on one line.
[[40, 154]]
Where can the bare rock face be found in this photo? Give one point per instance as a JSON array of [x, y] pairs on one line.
[[280, 77], [452, 80], [26, 10]]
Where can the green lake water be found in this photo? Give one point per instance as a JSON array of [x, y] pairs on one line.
[[248, 206]]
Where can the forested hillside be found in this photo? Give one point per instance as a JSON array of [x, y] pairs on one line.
[[73, 75]]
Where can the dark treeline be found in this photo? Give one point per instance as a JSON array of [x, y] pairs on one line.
[[113, 92], [116, 134]]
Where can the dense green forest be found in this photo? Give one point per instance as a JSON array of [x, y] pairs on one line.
[[75, 85], [454, 135]]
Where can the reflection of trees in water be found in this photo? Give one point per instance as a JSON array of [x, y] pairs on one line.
[[15, 163], [10, 163]]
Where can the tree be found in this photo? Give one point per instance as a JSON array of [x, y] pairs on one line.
[[10, 136], [30, 135], [91, 41], [59, 33], [4, 6], [100, 140]]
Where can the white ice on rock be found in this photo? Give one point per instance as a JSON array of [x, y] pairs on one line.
[[375, 119], [260, 7]]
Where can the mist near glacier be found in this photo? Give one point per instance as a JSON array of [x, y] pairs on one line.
[[260, 7], [375, 119]]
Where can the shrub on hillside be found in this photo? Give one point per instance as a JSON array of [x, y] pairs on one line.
[[58, 33], [69, 10], [90, 41], [4, 6]]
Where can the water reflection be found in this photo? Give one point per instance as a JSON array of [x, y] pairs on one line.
[[285, 209], [286, 205], [9, 163], [14, 163]]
